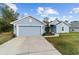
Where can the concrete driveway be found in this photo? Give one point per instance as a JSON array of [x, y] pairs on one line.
[[28, 46]]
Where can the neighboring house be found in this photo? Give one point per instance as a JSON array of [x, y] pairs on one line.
[[74, 26], [59, 26], [28, 26]]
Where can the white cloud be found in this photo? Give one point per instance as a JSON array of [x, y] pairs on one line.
[[51, 11], [63, 18], [52, 18], [75, 10], [12, 6], [45, 11], [40, 10], [70, 16], [25, 14]]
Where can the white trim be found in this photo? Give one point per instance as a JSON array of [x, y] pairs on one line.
[[14, 28], [28, 25], [24, 18], [17, 20], [17, 30], [41, 30]]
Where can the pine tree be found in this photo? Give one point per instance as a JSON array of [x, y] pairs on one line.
[[8, 15]]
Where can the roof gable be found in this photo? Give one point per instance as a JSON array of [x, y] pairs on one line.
[[63, 23], [56, 22], [28, 20]]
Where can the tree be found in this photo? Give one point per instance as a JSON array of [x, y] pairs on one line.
[[8, 15], [47, 27]]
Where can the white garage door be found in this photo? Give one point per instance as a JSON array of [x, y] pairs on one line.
[[29, 30]]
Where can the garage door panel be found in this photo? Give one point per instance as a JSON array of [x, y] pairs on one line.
[[29, 30]]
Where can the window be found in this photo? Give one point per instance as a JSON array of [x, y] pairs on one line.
[[62, 28]]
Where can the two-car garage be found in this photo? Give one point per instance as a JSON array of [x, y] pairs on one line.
[[29, 30], [28, 26]]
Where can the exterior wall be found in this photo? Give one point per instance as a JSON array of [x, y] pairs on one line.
[[59, 28], [14, 29], [27, 22], [42, 29], [74, 29]]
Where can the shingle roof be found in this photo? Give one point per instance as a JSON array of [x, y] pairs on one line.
[[56, 22], [26, 17]]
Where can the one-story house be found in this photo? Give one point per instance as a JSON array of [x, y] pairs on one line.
[[59, 26], [28, 26], [74, 26]]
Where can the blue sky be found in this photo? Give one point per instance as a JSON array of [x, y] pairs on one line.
[[63, 11]]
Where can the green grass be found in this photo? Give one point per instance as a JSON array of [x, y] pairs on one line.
[[4, 37], [67, 43]]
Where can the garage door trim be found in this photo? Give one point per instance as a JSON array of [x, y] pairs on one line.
[[26, 26]]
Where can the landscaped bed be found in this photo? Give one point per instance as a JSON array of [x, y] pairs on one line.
[[6, 36], [66, 43]]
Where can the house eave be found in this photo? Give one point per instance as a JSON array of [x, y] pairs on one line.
[[26, 17]]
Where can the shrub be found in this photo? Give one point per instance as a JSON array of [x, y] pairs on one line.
[[50, 33], [14, 35]]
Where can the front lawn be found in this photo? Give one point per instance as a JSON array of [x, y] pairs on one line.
[[4, 37], [67, 43]]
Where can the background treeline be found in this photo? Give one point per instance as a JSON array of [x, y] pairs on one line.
[[7, 15]]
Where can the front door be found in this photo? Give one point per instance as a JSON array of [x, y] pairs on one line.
[[53, 28]]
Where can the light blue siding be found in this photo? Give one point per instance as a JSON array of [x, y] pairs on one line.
[[59, 28]]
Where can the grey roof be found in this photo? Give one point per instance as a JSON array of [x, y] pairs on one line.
[[56, 22], [26, 17], [74, 24]]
